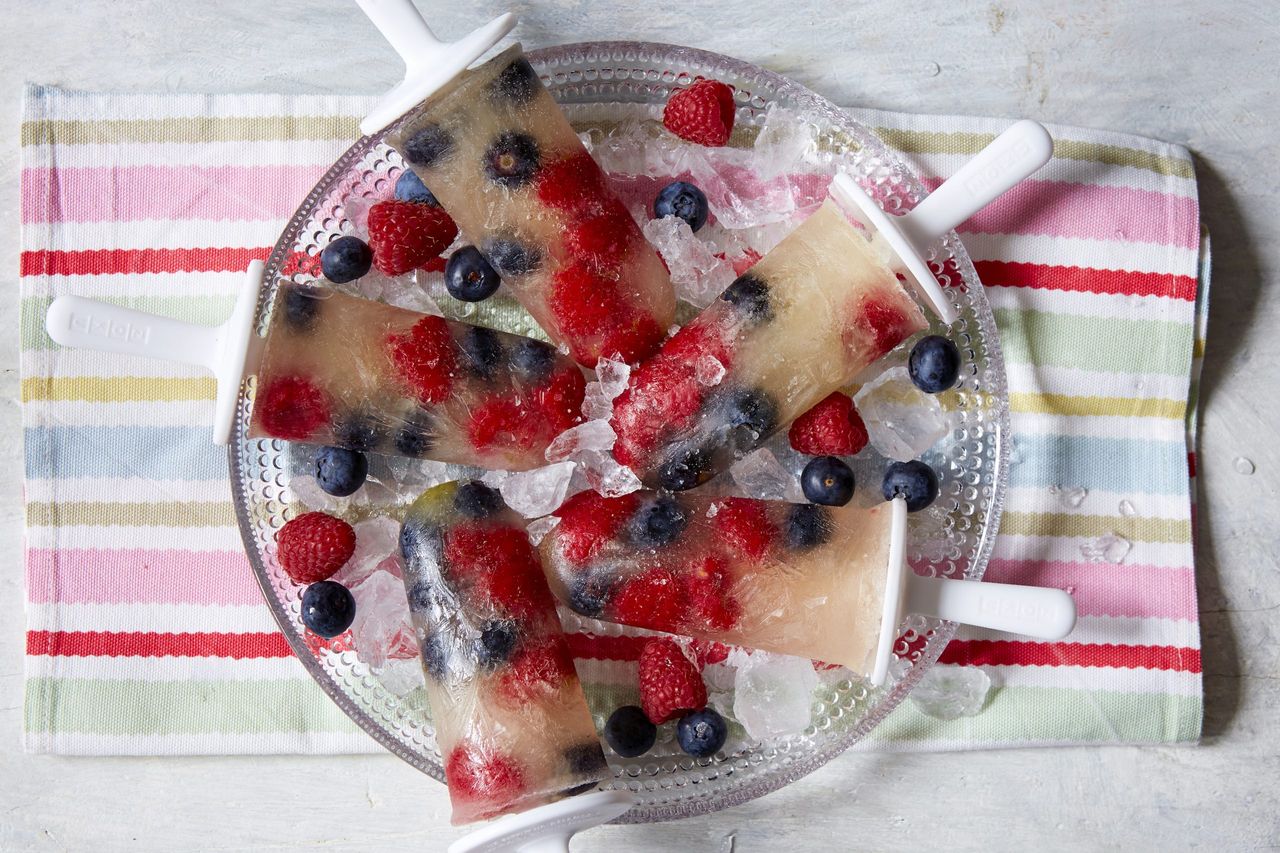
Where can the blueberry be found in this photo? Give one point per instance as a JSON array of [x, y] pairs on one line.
[[483, 350], [686, 469], [682, 199], [748, 414], [409, 187], [420, 544], [511, 160], [828, 481], [358, 431], [532, 360], [702, 733], [328, 608], [585, 758], [496, 642], [428, 146], [476, 500], [346, 259], [629, 732], [934, 364], [750, 295], [339, 471], [435, 655], [301, 304], [469, 277], [511, 257], [914, 481], [421, 596], [808, 526], [416, 436], [590, 592], [657, 522], [518, 82]]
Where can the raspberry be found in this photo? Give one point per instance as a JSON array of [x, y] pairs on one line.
[[475, 774], [650, 599], [831, 427], [535, 670], [499, 566], [706, 652], [291, 407], [745, 261], [708, 601], [696, 340], [425, 358], [663, 396], [501, 421], [582, 302], [405, 235], [884, 324], [313, 546], [670, 684], [601, 241], [744, 526], [588, 521], [466, 552], [573, 184], [632, 340], [560, 400], [702, 113]]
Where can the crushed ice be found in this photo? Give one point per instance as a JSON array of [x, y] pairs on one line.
[[951, 692], [902, 421], [773, 694]]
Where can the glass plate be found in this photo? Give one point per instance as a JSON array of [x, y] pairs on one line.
[[599, 84]]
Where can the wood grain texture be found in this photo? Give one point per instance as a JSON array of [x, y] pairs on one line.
[[1191, 72]]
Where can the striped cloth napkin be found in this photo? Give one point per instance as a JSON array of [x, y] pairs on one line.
[[146, 630]]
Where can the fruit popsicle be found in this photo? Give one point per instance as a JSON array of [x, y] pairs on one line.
[[801, 323], [498, 153], [798, 579], [510, 717], [350, 372]]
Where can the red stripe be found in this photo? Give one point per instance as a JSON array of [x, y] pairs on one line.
[[593, 647], [1021, 653], [1191, 464], [138, 261], [153, 644], [1085, 279]]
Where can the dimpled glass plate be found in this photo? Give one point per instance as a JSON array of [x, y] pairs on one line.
[[601, 83]]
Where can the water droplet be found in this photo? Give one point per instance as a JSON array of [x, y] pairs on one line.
[[1140, 385], [1069, 496], [1111, 548], [1244, 465], [1071, 590], [933, 69], [1127, 509]]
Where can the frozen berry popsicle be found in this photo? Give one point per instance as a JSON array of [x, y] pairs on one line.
[[345, 371], [510, 717], [797, 579], [801, 323], [501, 157]]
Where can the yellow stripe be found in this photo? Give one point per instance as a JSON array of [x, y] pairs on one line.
[[1197, 348], [1119, 407], [1072, 524], [189, 129], [118, 389], [131, 514]]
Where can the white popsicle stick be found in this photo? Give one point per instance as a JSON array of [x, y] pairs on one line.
[[429, 64], [546, 829], [1010, 159], [1039, 612], [229, 351]]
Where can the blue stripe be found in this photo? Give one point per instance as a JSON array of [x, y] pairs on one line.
[[153, 453], [1137, 465]]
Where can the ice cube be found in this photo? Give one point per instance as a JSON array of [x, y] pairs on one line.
[[539, 528], [902, 420], [1127, 509], [589, 435], [381, 630], [783, 143], [401, 676], [612, 376], [760, 475], [773, 694], [698, 274], [308, 492], [708, 370], [413, 297], [539, 491], [606, 475], [1109, 548], [951, 692]]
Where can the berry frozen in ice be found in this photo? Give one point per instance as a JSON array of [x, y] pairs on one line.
[[808, 526], [497, 640], [532, 359], [749, 293], [512, 159], [291, 407], [659, 521], [517, 83], [483, 351], [510, 256], [428, 146], [301, 305], [832, 427], [476, 500], [686, 469], [357, 431]]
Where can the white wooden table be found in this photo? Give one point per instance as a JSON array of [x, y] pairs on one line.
[[1202, 74]]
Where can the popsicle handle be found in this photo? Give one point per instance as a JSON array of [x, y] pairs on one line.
[[1033, 611], [1010, 159], [545, 829], [405, 29], [74, 321]]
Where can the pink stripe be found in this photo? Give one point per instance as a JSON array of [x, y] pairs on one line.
[[1102, 589], [139, 576], [124, 193], [1061, 209]]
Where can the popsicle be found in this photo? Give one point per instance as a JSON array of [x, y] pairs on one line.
[[345, 371], [498, 153], [510, 717], [827, 583]]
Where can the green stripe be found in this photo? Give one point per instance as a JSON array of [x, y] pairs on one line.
[[130, 707], [206, 310], [131, 514], [193, 129], [1072, 524], [959, 142], [1014, 714], [1095, 343]]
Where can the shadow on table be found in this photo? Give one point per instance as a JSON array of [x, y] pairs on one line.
[[1235, 290]]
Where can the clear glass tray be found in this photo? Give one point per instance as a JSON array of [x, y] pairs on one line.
[[601, 83]]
